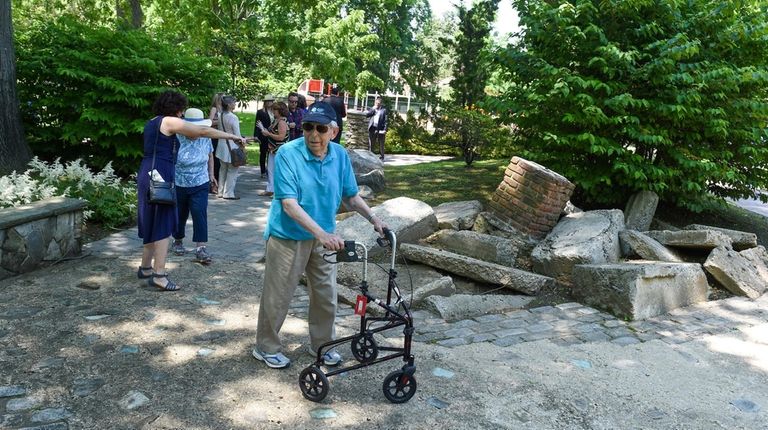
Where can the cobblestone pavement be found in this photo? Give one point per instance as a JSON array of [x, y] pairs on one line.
[[236, 229]]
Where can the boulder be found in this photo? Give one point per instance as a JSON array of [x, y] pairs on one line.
[[352, 274], [465, 306], [458, 215], [583, 238], [365, 192], [740, 240], [443, 287], [364, 161], [691, 239], [759, 258], [647, 248], [472, 268], [638, 214], [484, 247], [735, 272], [373, 179], [410, 219], [639, 289]]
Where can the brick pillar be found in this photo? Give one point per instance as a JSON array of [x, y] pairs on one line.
[[531, 197]]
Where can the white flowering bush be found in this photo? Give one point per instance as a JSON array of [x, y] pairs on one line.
[[111, 202]]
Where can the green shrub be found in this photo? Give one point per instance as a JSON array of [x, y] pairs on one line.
[[111, 203], [473, 131], [86, 92]]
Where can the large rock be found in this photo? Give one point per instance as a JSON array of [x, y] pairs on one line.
[[759, 258], [639, 289], [458, 215], [691, 239], [408, 277], [443, 287], [465, 306], [740, 239], [472, 268], [647, 248], [640, 209], [582, 238], [373, 179], [410, 219], [484, 247], [364, 161], [735, 272]]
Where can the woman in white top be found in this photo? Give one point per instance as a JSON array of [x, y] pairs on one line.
[[229, 123], [213, 115]]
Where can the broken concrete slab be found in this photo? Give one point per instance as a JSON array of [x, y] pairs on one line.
[[758, 256], [352, 274], [472, 268], [580, 238], [735, 272], [465, 306], [486, 247], [458, 215], [740, 240], [640, 289], [648, 248], [410, 219], [638, 214], [443, 287], [691, 239]]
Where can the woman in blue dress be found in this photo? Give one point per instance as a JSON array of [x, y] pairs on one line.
[[158, 222]]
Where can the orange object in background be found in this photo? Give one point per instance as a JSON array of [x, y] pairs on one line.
[[315, 86]]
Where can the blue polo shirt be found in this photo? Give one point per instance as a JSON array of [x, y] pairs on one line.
[[318, 186]]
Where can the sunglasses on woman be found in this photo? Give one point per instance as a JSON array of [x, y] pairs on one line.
[[308, 127]]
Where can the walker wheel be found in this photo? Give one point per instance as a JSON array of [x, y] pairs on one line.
[[364, 348], [399, 387], [313, 384]]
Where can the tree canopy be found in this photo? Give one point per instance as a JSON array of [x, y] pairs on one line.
[[628, 95]]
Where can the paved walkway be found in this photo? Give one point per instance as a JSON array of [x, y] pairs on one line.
[[56, 373]]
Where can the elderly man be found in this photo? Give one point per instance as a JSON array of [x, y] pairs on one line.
[[312, 177]]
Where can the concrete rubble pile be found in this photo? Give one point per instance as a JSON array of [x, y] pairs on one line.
[[532, 240]]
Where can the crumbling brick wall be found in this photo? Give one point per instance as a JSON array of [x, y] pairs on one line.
[[531, 197]]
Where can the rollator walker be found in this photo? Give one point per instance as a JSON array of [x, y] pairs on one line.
[[400, 385]]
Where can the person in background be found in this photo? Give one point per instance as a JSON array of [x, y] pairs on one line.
[[294, 116], [312, 177], [303, 103], [194, 177], [264, 118], [213, 114], [377, 126], [277, 134], [337, 102], [229, 123], [157, 222]]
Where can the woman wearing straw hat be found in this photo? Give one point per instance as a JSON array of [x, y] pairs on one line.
[[156, 221], [194, 177]]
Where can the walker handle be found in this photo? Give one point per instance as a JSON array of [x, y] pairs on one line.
[[387, 240]]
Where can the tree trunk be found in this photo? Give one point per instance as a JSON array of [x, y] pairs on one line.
[[137, 16], [14, 151]]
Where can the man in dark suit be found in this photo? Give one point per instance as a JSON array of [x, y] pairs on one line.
[[337, 103], [264, 119], [377, 126]]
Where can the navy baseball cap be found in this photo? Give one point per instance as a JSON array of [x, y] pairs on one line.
[[320, 113]]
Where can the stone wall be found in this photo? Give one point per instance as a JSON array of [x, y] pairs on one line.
[[47, 230], [356, 130], [531, 197]]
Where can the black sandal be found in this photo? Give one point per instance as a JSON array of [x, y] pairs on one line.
[[141, 271], [170, 286]]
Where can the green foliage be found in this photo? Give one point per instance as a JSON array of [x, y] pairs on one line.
[[87, 91], [628, 95], [471, 130], [111, 203], [409, 135], [471, 70]]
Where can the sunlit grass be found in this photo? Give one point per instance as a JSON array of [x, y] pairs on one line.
[[444, 181]]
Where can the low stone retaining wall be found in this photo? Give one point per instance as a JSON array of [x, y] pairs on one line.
[[46, 230]]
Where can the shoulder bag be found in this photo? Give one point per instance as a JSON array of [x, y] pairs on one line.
[[161, 193], [237, 154]]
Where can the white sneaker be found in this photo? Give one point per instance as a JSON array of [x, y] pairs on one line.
[[275, 361], [332, 358]]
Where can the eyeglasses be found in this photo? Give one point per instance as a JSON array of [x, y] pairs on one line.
[[292, 101], [308, 127]]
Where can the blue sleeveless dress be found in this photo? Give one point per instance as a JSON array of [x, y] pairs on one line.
[[156, 222]]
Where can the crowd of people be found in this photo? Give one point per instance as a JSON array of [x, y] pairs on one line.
[[309, 176]]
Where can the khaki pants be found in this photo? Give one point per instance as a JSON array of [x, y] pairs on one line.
[[227, 179], [286, 260]]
